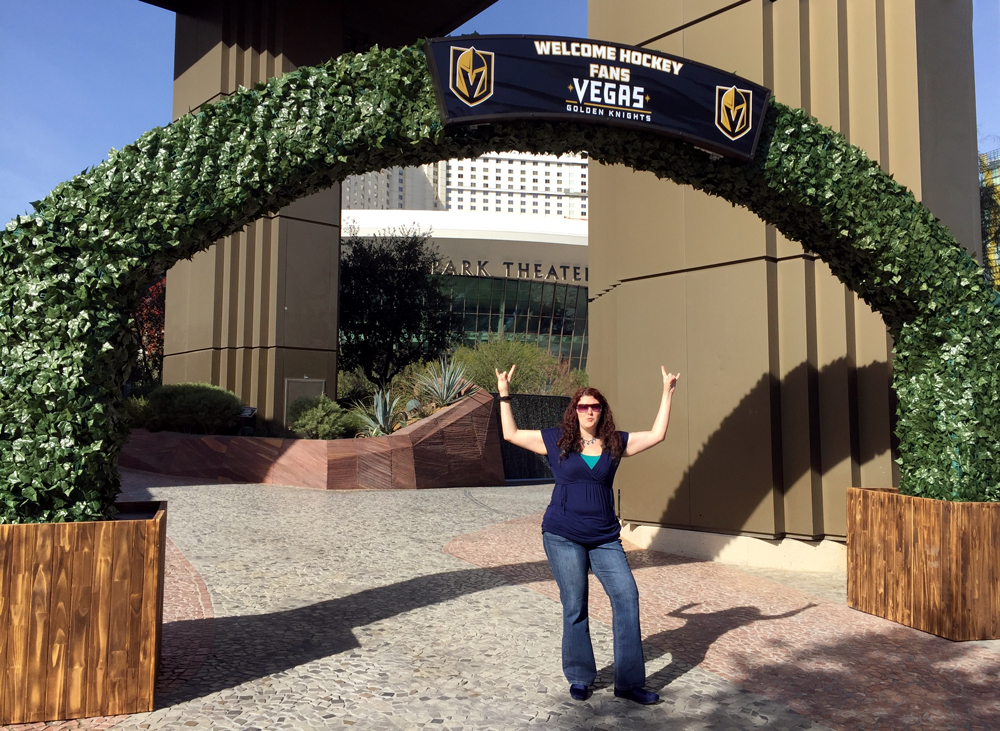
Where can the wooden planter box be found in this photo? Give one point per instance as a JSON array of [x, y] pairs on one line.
[[929, 564], [80, 611]]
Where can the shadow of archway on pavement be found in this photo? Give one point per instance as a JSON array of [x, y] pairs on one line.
[[893, 678], [247, 648]]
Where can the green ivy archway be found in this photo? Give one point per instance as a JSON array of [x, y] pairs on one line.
[[71, 272]]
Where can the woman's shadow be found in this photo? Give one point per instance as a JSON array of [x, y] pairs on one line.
[[689, 644]]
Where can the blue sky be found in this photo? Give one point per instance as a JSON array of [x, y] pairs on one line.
[[81, 77], [986, 36]]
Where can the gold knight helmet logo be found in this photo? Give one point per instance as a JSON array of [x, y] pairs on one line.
[[471, 75], [732, 111]]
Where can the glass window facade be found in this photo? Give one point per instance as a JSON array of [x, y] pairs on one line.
[[552, 316]]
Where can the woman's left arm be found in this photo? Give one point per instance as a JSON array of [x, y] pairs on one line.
[[640, 441]]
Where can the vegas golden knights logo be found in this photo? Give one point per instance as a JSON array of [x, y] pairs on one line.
[[471, 76], [732, 111]]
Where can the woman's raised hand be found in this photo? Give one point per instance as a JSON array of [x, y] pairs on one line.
[[669, 380], [503, 380]]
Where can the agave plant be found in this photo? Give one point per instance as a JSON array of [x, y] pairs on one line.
[[380, 416], [446, 382]]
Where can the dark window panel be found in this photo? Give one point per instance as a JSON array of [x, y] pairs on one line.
[[497, 298], [571, 293], [559, 306], [565, 348], [510, 296], [523, 297], [535, 304], [485, 293], [548, 293]]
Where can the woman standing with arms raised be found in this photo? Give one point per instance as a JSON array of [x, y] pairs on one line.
[[580, 529]]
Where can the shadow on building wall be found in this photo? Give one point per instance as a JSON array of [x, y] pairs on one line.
[[729, 479]]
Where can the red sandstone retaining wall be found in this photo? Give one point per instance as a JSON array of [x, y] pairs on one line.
[[457, 447]]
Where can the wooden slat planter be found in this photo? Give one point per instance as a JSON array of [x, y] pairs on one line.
[[80, 611], [929, 564]]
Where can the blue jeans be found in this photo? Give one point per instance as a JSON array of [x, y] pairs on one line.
[[570, 562]]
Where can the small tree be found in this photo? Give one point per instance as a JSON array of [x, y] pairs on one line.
[[147, 323], [392, 309], [989, 206]]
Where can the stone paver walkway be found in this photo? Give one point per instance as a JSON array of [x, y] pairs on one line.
[[289, 608]]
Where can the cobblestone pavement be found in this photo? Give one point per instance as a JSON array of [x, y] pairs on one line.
[[335, 609], [818, 657], [289, 608]]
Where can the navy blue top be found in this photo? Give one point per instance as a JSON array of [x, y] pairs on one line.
[[582, 508]]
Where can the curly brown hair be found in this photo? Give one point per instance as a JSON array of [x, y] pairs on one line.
[[570, 439]]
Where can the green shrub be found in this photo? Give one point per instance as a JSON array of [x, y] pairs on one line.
[[193, 408], [354, 386], [406, 384], [321, 418], [137, 412], [414, 411], [537, 371], [272, 429], [141, 388], [302, 404]]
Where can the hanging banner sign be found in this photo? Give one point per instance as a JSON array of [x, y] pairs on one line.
[[482, 79]]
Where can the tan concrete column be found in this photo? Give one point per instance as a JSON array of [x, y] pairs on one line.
[[258, 307], [785, 396]]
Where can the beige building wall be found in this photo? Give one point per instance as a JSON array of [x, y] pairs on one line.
[[785, 396], [259, 306]]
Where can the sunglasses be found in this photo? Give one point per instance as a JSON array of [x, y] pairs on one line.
[[583, 408]]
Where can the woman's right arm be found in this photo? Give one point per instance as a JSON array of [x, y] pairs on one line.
[[530, 439]]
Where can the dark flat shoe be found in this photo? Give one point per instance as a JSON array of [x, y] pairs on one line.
[[639, 695], [578, 691]]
